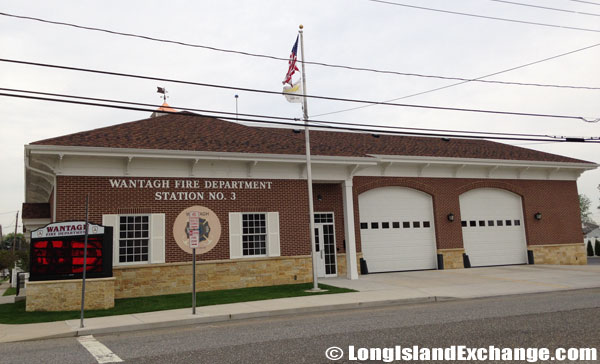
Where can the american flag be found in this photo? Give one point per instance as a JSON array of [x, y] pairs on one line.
[[292, 64]]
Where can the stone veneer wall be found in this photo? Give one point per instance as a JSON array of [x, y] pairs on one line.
[[573, 254], [341, 264], [170, 278], [65, 295], [453, 258]]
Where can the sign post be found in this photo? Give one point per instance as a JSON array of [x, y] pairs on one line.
[[194, 233], [85, 241], [194, 282]]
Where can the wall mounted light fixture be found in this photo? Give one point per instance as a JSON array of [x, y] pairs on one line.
[[320, 197], [450, 217], [538, 215]]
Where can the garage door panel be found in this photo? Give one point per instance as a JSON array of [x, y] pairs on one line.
[[493, 228], [400, 250], [391, 265], [408, 240]]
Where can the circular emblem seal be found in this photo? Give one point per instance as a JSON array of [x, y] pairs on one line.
[[200, 224]]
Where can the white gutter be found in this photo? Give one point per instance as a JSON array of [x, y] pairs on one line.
[[372, 159], [482, 162], [191, 155]]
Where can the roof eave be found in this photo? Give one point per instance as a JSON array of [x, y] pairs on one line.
[[483, 162], [192, 155]]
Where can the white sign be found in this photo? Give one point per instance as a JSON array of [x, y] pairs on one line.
[[70, 228], [192, 189], [194, 221]]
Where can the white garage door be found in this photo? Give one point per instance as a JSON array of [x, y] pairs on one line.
[[397, 229], [493, 227]]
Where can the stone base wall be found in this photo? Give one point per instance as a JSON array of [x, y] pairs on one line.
[[170, 278], [571, 254], [453, 258], [341, 264], [65, 295]]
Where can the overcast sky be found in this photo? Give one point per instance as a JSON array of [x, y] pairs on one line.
[[350, 32]]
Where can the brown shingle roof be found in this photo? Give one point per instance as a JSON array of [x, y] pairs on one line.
[[185, 131]]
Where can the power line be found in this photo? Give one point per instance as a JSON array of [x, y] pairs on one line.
[[8, 212], [463, 82], [330, 98], [233, 118], [545, 7], [584, 2], [326, 122], [323, 64], [485, 16]]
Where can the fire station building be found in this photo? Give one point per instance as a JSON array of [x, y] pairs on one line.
[[398, 202]]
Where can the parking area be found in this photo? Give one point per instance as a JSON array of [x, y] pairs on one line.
[[476, 282]]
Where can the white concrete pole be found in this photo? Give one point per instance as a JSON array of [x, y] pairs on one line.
[[351, 265]]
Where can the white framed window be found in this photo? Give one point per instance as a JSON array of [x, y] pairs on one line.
[[253, 234], [134, 238], [137, 238]]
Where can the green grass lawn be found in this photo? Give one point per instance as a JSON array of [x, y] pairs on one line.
[[10, 291], [14, 313]]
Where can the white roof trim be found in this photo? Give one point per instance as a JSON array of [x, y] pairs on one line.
[[482, 162], [292, 158], [191, 155]]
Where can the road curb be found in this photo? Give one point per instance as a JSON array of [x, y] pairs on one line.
[[240, 316], [269, 313], [233, 317]]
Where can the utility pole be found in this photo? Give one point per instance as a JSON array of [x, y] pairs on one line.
[[15, 237]]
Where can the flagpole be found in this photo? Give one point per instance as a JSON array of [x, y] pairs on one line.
[[309, 170]]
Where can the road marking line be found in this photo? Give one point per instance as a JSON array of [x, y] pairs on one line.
[[100, 352]]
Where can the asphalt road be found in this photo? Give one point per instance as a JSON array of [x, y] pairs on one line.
[[551, 320]]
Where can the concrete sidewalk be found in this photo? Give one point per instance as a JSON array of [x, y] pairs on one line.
[[374, 290], [10, 299]]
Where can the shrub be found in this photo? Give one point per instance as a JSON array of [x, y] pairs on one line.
[[590, 249], [597, 247]]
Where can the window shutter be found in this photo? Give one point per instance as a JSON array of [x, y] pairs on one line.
[[235, 235], [273, 234], [113, 220], [157, 238]]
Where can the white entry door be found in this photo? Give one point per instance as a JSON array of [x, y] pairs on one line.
[[493, 227], [325, 245], [397, 229]]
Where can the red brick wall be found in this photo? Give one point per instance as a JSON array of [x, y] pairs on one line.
[[288, 197], [556, 200]]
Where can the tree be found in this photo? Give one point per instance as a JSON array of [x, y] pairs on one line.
[[584, 205], [9, 239], [7, 259], [590, 249], [20, 255]]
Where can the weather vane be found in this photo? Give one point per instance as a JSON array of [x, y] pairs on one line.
[[163, 91]]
